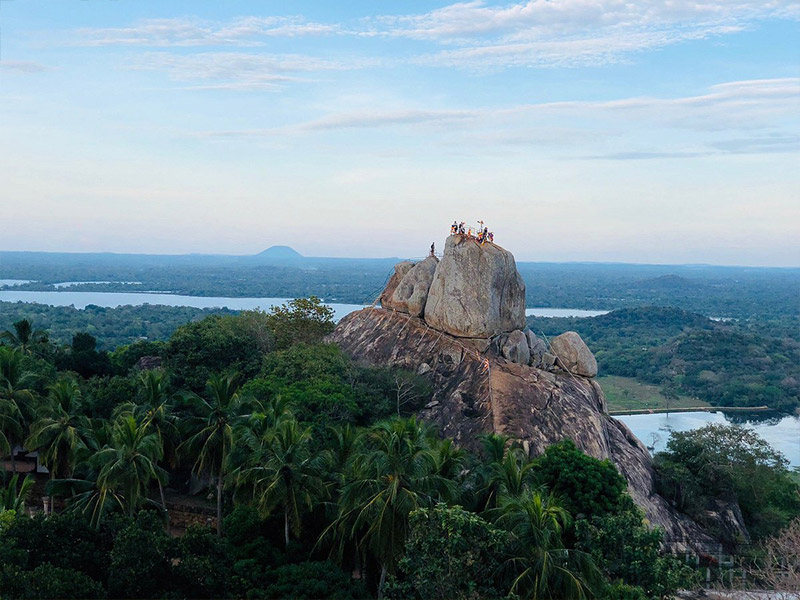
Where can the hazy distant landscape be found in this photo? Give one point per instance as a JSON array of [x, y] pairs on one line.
[[714, 291], [726, 336], [442, 300]]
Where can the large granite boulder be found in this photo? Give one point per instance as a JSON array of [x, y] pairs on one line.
[[412, 292], [514, 347], [530, 405], [400, 271], [573, 354], [476, 292]]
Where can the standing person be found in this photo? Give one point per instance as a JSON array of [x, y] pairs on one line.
[[454, 228], [433, 248]]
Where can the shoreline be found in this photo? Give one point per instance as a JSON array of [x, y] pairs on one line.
[[653, 411]]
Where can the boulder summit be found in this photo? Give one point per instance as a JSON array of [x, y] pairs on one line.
[[460, 322]]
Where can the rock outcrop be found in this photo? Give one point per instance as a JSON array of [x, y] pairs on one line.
[[538, 349], [514, 347], [400, 271], [460, 322], [411, 293], [476, 292], [529, 404], [573, 354]]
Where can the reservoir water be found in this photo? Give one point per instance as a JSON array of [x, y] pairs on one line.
[[114, 299], [782, 432]]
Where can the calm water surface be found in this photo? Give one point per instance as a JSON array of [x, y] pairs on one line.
[[563, 312], [782, 432], [114, 299]]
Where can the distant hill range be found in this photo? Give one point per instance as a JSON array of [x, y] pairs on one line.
[[280, 256]]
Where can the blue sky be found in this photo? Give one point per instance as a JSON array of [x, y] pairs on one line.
[[650, 131]]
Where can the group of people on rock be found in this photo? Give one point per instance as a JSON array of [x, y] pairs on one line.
[[480, 233]]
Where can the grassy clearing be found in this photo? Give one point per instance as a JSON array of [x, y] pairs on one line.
[[625, 393]]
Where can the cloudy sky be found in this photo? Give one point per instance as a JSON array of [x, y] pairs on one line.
[[601, 130]]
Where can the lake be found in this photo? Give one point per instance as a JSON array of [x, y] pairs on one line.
[[563, 312], [114, 299], [782, 432]]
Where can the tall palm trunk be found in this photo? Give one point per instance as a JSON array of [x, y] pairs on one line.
[[163, 502], [382, 581], [52, 498], [219, 503], [286, 526]]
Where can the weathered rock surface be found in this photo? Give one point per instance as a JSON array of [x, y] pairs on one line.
[[726, 522], [514, 347], [531, 405], [573, 354], [400, 271], [476, 291], [412, 291], [537, 348]]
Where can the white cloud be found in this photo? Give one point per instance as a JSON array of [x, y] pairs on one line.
[[738, 105], [570, 32], [606, 48], [22, 66], [244, 31], [537, 18], [480, 35], [236, 70]]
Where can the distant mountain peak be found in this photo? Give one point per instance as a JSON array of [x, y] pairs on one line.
[[280, 252]]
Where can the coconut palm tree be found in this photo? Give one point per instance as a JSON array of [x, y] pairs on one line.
[[339, 451], [449, 458], [88, 497], [211, 428], [61, 431], [393, 473], [24, 337], [543, 568], [16, 398], [156, 415], [507, 472], [10, 426], [284, 474], [12, 496], [128, 466]]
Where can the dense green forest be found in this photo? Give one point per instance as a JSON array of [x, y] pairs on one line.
[[732, 363], [738, 292], [323, 482], [724, 363], [111, 326]]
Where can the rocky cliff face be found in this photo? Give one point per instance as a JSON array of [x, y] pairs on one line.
[[461, 323], [476, 291], [532, 405]]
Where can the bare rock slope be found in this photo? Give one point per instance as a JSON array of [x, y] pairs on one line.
[[534, 406], [461, 322]]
